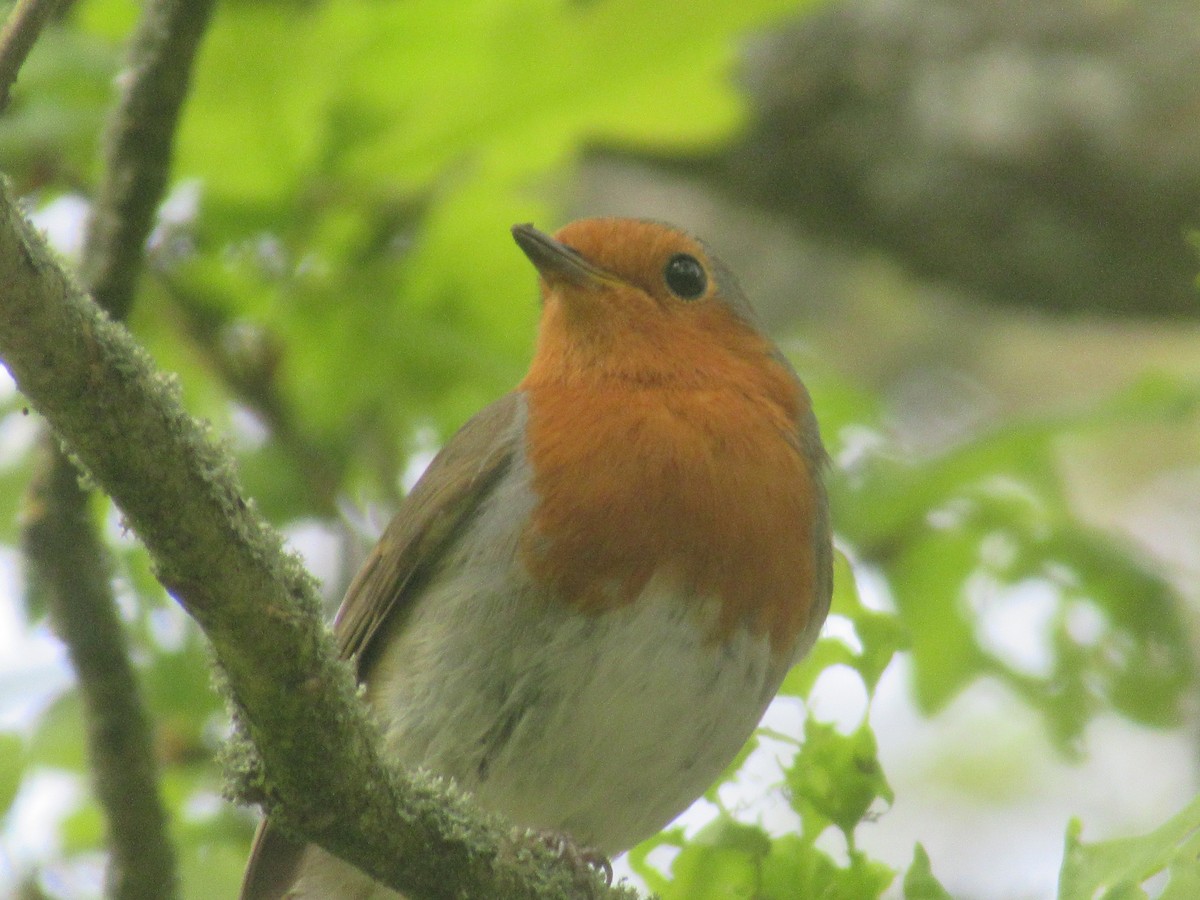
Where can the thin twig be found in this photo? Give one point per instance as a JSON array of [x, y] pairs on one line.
[[17, 37]]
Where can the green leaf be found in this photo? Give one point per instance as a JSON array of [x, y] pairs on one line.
[[796, 868], [835, 778], [928, 576], [365, 232], [827, 653], [418, 91], [210, 869], [639, 858], [864, 877], [722, 861], [919, 883], [12, 769], [83, 829], [1118, 869], [58, 105], [962, 533], [728, 859], [883, 635]]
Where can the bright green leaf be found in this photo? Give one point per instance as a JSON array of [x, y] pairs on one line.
[[796, 868], [928, 575], [837, 777], [965, 531], [919, 883], [52, 125], [722, 861], [83, 830], [1118, 869], [880, 635], [638, 857]]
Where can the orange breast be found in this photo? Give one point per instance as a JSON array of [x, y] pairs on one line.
[[705, 482]]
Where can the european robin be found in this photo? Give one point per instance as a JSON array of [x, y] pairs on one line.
[[582, 609]]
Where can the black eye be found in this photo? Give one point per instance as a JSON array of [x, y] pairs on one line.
[[685, 276]]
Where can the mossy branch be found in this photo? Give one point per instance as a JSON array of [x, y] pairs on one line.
[[68, 559], [226, 567]]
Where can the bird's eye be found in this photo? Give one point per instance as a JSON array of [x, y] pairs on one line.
[[685, 276]]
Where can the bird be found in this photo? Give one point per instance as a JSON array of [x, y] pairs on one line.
[[583, 607]]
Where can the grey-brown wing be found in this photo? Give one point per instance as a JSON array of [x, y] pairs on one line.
[[388, 582], [456, 481], [807, 437], [273, 864]]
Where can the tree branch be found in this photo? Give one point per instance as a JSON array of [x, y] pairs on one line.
[[139, 142], [17, 38], [60, 542], [67, 556], [227, 568]]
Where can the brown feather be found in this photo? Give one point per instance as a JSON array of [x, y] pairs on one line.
[[389, 582], [442, 500]]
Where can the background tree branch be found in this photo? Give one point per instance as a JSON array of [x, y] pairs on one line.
[[256, 604], [140, 136], [17, 37], [72, 572]]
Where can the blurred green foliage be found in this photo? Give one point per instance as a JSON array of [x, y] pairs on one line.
[[956, 534], [333, 272], [1119, 869]]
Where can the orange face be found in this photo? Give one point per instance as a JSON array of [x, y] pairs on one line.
[[667, 434], [643, 301]]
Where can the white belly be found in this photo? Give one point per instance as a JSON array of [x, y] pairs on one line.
[[603, 726]]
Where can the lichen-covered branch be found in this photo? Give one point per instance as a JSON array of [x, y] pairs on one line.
[[225, 565], [67, 557]]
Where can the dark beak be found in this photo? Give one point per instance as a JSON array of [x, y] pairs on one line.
[[555, 261]]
